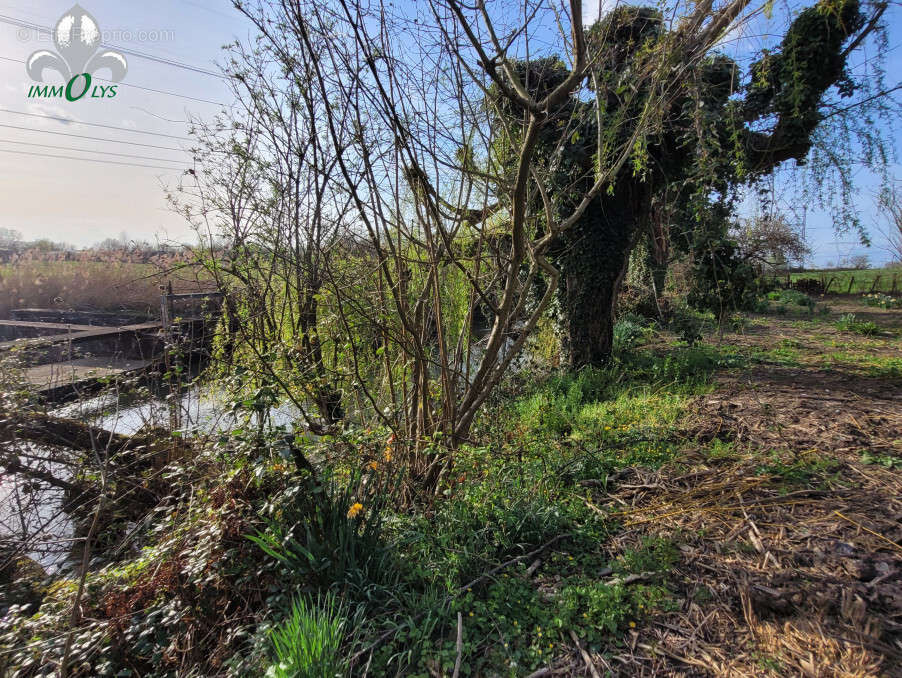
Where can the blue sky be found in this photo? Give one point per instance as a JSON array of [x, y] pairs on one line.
[[83, 202]]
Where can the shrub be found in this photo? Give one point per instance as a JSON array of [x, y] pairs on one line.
[[628, 332], [688, 325]]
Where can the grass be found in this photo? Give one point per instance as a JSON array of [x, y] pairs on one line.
[[856, 281], [308, 643]]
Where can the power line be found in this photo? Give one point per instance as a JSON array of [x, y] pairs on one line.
[[85, 136], [88, 150], [142, 55], [92, 124], [70, 157], [132, 86]]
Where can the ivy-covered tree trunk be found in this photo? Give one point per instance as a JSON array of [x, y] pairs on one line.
[[593, 257]]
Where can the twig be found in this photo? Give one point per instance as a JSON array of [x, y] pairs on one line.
[[541, 672], [460, 644], [586, 658], [862, 527]]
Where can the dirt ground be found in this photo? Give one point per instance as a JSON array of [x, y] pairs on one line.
[[787, 511]]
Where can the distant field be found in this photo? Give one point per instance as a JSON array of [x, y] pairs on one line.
[[83, 285], [888, 280]]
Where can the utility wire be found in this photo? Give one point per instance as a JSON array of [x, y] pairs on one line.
[[91, 124], [132, 86], [88, 150], [142, 55], [85, 136], [70, 157]]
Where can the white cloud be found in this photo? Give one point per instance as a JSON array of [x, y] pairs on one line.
[[592, 7]]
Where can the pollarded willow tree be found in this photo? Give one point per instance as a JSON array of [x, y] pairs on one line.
[[476, 161], [713, 128]]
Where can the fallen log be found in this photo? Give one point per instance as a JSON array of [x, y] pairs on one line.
[[44, 429]]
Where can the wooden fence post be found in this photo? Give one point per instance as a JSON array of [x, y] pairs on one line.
[[875, 283], [851, 282]]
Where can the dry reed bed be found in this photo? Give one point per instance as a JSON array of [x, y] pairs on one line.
[[80, 285]]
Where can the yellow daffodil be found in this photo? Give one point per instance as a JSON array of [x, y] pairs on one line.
[[355, 510]]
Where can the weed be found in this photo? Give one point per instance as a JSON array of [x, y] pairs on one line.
[[796, 470], [884, 460], [848, 323], [654, 554]]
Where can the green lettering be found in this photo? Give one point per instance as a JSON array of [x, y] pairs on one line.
[[87, 77]]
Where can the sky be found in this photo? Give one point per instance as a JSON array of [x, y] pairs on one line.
[[85, 200], [80, 201]]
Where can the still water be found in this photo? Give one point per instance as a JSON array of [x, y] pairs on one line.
[[31, 511]]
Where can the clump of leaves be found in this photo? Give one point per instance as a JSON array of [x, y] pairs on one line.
[[688, 325], [307, 644], [849, 323], [325, 532]]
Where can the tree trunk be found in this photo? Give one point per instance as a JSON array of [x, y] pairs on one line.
[[593, 257]]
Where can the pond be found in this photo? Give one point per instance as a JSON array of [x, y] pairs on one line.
[[31, 511]]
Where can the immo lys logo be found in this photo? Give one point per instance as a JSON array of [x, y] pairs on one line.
[[77, 39]]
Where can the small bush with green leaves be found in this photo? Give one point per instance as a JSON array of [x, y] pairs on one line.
[[689, 325], [629, 331], [849, 323]]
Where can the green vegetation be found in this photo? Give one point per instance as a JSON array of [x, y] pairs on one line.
[[855, 281], [308, 643], [344, 565], [453, 451], [849, 323], [882, 300]]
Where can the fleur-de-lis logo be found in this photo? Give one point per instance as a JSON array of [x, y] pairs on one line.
[[77, 37]]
